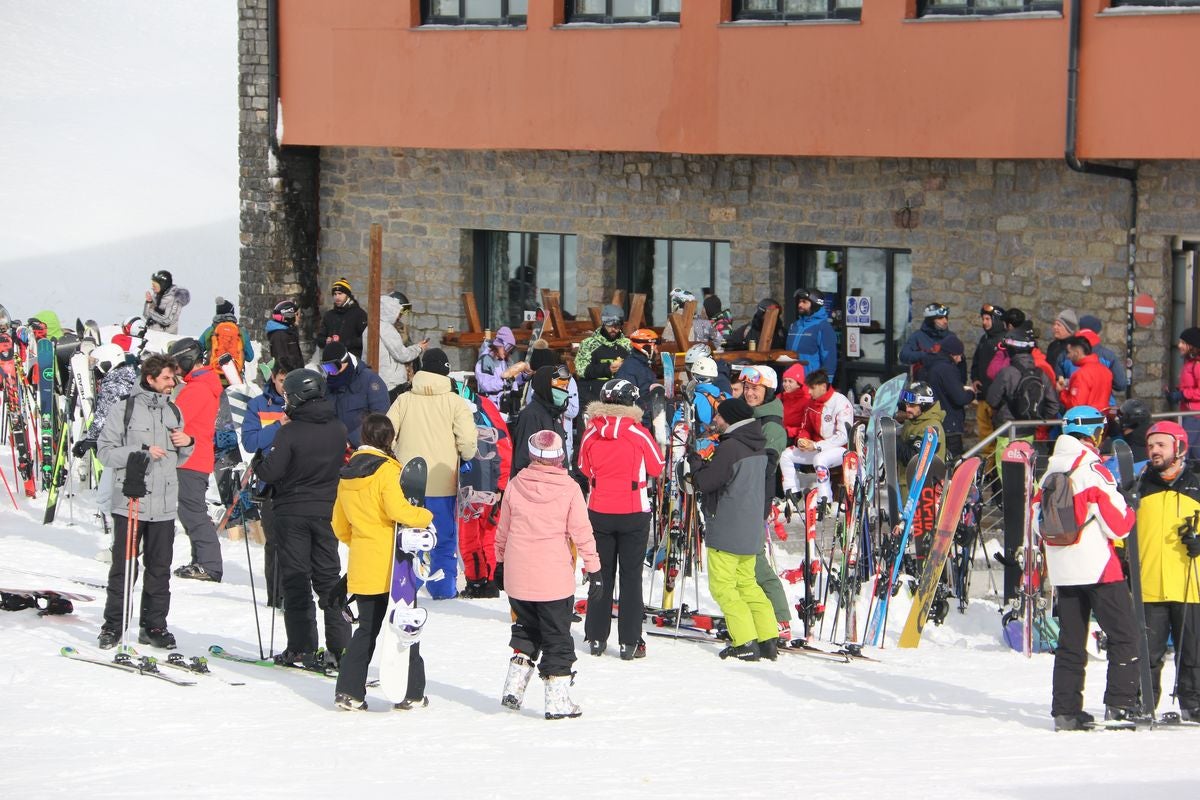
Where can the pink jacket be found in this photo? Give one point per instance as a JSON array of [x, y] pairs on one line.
[[1189, 384], [542, 512]]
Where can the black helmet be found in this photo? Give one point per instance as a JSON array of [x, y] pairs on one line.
[[163, 279], [918, 393], [186, 352], [619, 391], [285, 311], [405, 305], [1133, 412], [302, 385], [814, 296], [611, 315]]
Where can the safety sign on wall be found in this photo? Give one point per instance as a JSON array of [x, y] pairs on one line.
[[858, 311]]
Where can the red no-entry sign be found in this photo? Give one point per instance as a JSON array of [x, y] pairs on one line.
[[1144, 310]]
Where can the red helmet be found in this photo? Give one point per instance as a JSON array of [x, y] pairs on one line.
[[1172, 429]]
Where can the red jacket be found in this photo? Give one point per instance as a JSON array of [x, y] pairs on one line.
[[1189, 384], [619, 458], [793, 409], [198, 402], [1090, 385]]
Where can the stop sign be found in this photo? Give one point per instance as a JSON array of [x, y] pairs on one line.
[[1144, 310]]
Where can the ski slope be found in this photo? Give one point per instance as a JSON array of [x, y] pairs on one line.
[[961, 717]]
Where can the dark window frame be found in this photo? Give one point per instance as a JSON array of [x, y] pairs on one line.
[[967, 8], [504, 20], [1162, 3], [481, 277], [626, 253], [607, 18], [740, 12]]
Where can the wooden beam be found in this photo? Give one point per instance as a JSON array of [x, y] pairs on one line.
[[770, 320], [637, 313], [374, 290], [594, 313], [471, 312]]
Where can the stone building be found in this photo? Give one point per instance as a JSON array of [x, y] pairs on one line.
[[916, 157]]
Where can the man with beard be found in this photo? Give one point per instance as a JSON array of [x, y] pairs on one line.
[[354, 388], [927, 339], [600, 355], [811, 336], [345, 322]]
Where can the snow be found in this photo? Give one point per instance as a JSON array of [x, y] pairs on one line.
[[119, 155], [963, 716]]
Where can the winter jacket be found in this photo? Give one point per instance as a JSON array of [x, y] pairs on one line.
[[153, 417], [199, 401], [489, 369], [825, 420], [619, 458], [1056, 355], [794, 404], [303, 461], [1189, 384], [925, 340], [54, 328], [542, 514], [284, 344], [592, 362], [1100, 511], [356, 392], [568, 415], [1120, 379], [540, 414], [162, 313], [636, 369], [733, 485], [261, 422], [116, 386], [345, 324], [369, 506], [205, 339], [1090, 385], [1004, 388], [814, 342], [432, 421], [942, 375], [394, 354], [988, 345], [913, 431], [770, 417], [1165, 507]]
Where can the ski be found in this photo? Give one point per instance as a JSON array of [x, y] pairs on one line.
[[220, 652], [695, 635], [953, 501], [195, 665], [46, 410], [143, 665], [1129, 488]]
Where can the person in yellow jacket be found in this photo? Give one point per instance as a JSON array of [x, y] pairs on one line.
[[369, 506], [1168, 548]]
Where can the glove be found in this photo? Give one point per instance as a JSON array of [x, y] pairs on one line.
[[594, 581], [1192, 543], [1175, 396], [465, 468], [498, 575], [82, 447]]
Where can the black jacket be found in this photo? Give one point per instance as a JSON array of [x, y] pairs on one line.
[[943, 376], [348, 323], [539, 414], [984, 352], [303, 461], [637, 370], [284, 344]]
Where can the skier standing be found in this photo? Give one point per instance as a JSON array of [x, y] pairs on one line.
[[264, 418], [927, 339], [1090, 383], [225, 335], [1187, 394], [164, 303], [497, 371], [283, 338], [544, 412], [943, 374], [991, 320], [811, 336], [345, 322], [542, 515], [354, 388]]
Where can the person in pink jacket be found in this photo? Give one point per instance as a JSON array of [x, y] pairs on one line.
[[542, 514]]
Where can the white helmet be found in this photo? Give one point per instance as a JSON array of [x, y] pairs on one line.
[[107, 356], [680, 298], [704, 367], [694, 352]]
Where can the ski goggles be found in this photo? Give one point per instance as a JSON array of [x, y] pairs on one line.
[[561, 377], [756, 376]]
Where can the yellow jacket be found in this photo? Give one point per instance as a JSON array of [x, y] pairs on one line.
[[369, 504], [1163, 510]]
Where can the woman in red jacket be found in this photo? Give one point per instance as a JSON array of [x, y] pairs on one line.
[[1187, 395]]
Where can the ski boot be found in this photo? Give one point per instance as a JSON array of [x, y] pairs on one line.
[[108, 638], [1079, 721], [471, 590], [631, 651], [157, 637], [558, 701], [195, 572], [345, 702], [769, 649], [784, 634], [411, 705], [520, 669], [488, 590], [1190, 714], [597, 648], [1130, 715], [748, 651]]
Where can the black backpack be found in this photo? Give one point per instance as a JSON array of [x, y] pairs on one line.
[[1026, 401]]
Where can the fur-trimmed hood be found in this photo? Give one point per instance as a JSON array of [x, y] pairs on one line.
[[600, 409], [608, 420]]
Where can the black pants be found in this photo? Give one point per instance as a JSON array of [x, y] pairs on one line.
[[621, 543], [1167, 619], [352, 671], [544, 628], [308, 562], [270, 556], [157, 542], [1113, 607], [954, 446]]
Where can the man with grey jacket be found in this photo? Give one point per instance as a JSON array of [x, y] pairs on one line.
[[148, 421]]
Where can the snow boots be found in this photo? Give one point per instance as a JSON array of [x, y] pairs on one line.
[[743, 652], [1081, 721], [558, 701], [347, 703], [631, 651], [157, 637], [520, 669], [597, 648]]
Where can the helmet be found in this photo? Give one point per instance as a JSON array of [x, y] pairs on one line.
[[644, 340], [1134, 412], [694, 352], [759, 375], [935, 310], [814, 296], [994, 311], [611, 315], [1172, 429], [302, 385], [1019, 340], [134, 326], [704, 367], [107, 356], [405, 305], [186, 352], [163, 279], [680, 298], [619, 391], [918, 393], [765, 304], [1085, 420], [285, 311]]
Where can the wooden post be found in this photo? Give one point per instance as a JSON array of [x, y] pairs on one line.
[[770, 320], [471, 311], [374, 290]]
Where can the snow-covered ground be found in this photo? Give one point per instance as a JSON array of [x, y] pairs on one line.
[[961, 717]]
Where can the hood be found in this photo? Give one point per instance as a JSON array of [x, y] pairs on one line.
[[341, 382], [275, 325], [541, 384], [151, 398], [771, 408], [181, 295], [430, 383], [1066, 450], [319, 410], [818, 316], [54, 329], [749, 432], [608, 420], [273, 397], [541, 483], [365, 462], [389, 308]]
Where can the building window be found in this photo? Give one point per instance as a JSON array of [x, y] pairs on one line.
[[474, 12], [927, 8], [654, 267], [511, 269], [611, 11], [1179, 3], [797, 9]]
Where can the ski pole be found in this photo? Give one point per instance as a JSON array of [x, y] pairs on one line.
[[253, 598], [275, 576], [130, 565], [8, 488], [1187, 590]]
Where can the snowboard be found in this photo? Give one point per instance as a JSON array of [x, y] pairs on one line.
[[46, 601], [1016, 461], [925, 522], [950, 514], [46, 411], [401, 668], [888, 431], [668, 367], [1129, 487], [1022, 559]]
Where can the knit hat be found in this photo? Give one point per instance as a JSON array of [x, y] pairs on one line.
[[224, 306], [735, 409], [1191, 336], [712, 306], [1068, 319], [334, 352], [342, 285], [546, 447], [795, 372], [952, 345], [434, 360], [1091, 322]]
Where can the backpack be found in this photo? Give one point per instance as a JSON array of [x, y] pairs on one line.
[[1026, 401], [1056, 519], [226, 338]]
